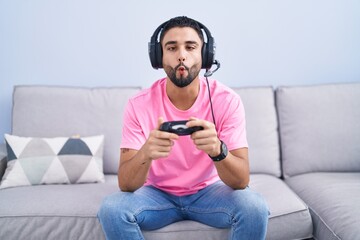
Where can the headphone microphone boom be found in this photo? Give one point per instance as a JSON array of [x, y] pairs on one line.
[[208, 73]]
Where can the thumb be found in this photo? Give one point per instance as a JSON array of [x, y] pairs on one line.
[[160, 121]]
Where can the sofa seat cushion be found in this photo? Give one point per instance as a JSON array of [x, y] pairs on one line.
[[334, 202], [187, 230], [53, 211], [289, 216], [69, 212]]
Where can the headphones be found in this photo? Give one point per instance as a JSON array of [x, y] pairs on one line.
[[207, 51]]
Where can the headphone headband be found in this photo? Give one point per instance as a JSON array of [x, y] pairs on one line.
[[207, 52]]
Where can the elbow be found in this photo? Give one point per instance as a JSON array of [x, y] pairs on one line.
[[241, 184], [123, 187], [126, 187]]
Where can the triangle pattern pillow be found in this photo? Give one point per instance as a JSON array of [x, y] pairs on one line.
[[60, 160]]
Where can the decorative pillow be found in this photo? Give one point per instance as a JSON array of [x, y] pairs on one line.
[[60, 160]]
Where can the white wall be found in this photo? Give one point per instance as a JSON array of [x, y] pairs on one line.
[[104, 43]]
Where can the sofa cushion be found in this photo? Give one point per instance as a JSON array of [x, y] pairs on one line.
[[187, 230], [47, 111], [320, 128], [334, 202], [286, 209], [262, 129], [54, 211], [33, 161], [58, 208]]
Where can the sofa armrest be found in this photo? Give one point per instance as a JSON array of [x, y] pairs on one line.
[[3, 159]]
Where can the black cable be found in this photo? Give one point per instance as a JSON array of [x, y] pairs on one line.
[[211, 106]]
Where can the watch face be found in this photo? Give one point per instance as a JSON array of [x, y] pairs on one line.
[[224, 150]]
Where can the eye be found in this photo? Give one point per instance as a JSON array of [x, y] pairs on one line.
[[191, 47], [171, 48]]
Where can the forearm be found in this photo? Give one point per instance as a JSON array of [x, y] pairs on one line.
[[233, 171], [135, 164], [133, 173]]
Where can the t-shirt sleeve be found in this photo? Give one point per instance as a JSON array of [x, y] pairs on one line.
[[132, 134], [233, 124]]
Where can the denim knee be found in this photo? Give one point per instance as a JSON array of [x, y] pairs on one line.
[[251, 208], [110, 210]]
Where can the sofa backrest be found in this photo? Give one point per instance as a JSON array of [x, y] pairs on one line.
[[46, 111], [319, 128], [49, 111], [262, 129]]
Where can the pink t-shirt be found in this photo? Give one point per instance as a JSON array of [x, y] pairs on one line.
[[187, 169]]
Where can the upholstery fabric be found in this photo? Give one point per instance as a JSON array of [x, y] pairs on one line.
[[33, 161], [286, 209], [334, 202], [52, 111], [55, 211], [3, 160], [320, 126], [262, 129]]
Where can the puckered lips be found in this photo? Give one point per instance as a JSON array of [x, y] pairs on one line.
[[181, 70]]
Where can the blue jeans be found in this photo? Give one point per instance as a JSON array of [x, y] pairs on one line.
[[123, 214]]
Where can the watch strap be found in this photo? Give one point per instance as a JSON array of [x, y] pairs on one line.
[[223, 153]]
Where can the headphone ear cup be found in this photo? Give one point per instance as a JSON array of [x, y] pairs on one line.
[[155, 50], [204, 56], [158, 55], [208, 53], [152, 54], [155, 55]]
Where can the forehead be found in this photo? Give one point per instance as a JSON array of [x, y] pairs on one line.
[[181, 34]]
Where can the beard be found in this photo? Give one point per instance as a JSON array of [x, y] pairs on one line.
[[182, 81]]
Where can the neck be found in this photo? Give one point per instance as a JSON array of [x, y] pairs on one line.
[[183, 98]]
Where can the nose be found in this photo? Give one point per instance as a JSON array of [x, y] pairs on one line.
[[182, 55], [181, 59]]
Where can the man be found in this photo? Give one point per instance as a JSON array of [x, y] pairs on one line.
[[164, 177]]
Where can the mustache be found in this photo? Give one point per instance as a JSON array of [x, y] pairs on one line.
[[181, 65]]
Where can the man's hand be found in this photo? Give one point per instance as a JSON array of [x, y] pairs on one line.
[[234, 169], [159, 143], [207, 139], [135, 164]]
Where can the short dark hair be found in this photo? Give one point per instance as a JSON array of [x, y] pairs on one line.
[[182, 21]]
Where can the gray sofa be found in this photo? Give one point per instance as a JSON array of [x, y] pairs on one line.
[[304, 157]]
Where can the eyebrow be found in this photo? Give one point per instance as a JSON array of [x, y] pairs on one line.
[[175, 42]]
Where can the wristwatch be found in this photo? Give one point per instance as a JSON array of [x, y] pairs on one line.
[[223, 153]]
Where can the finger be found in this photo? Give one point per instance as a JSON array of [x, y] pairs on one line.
[[164, 142], [160, 121], [194, 122], [208, 140], [166, 135], [160, 155], [192, 118]]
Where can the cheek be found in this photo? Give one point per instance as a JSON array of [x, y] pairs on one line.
[[168, 70], [198, 58]]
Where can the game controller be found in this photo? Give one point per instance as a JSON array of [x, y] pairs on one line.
[[179, 128]]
